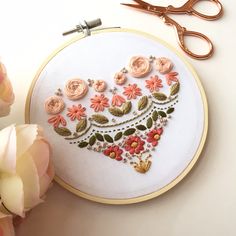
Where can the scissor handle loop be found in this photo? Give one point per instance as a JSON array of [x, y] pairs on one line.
[[181, 40], [208, 17], [188, 8]]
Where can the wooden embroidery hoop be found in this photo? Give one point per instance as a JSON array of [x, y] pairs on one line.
[[181, 175]]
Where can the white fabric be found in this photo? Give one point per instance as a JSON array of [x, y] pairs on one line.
[[99, 57]]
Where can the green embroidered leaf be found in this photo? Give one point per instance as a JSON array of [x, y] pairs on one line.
[[159, 96], [149, 123], [99, 137], [142, 103], [92, 140], [81, 125], [170, 110], [101, 119], [116, 111], [118, 136], [174, 89], [108, 138], [62, 131], [141, 127], [83, 144], [129, 131], [126, 108], [162, 113], [155, 115]]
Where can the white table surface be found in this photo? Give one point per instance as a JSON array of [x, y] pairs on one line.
[[204, 203]]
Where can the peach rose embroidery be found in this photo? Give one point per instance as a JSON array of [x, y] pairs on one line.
[[120, 78], [99, 85], [76, 112], [6, 92], [164, 65], [57, 120], [54, 105], [154, 83], [132, 91], [76, 89], [99, 102], [139, 66], [117, 100]]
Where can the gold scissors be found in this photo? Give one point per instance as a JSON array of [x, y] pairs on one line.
[[182, 32]]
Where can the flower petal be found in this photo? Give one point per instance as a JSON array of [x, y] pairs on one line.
[[8, 149], [40, 152], [12, 195], [27, 170], [6, 227], [46, 180], [26, 135]]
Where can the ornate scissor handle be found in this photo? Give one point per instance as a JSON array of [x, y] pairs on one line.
[[188, 8], [182, 33], [181, 40]]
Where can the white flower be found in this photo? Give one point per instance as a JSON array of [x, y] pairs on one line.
[[26, 169]]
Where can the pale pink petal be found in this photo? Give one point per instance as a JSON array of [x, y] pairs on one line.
[[27, 170], [8, 149], [6, 227], [12, 195], [26, 135], [40, 153]]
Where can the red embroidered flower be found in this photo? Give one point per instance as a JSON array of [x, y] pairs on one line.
[[76, 112], [132, 91], [134, 144], [99, 102], [171, 77], [117, 100], [57, 120], [154, 83], [114, 152], [154, 136]]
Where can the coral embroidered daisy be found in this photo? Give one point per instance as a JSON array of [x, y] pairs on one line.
[[154, 83], [114, 152], [99, 102], [57, 120], [154, 135], [132, 91], [76, 112], [134, 145]]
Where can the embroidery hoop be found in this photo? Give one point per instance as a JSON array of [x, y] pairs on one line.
[[184, 172]]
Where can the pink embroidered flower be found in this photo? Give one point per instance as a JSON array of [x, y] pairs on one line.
[[54, 105], [120, 78], [117, 100], [99, 85], [76, 89], [154, 136], [163, 65], [57, 120], [139, 66], [154, 83], [76, 112], [171, 77], [132, 91], [134, 144], [114, 152], [99, 102]]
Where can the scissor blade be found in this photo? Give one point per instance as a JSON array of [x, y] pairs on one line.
[[134, 6], [142, 3]]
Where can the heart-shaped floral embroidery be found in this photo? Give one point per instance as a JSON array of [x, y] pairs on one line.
[[105, 128]]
